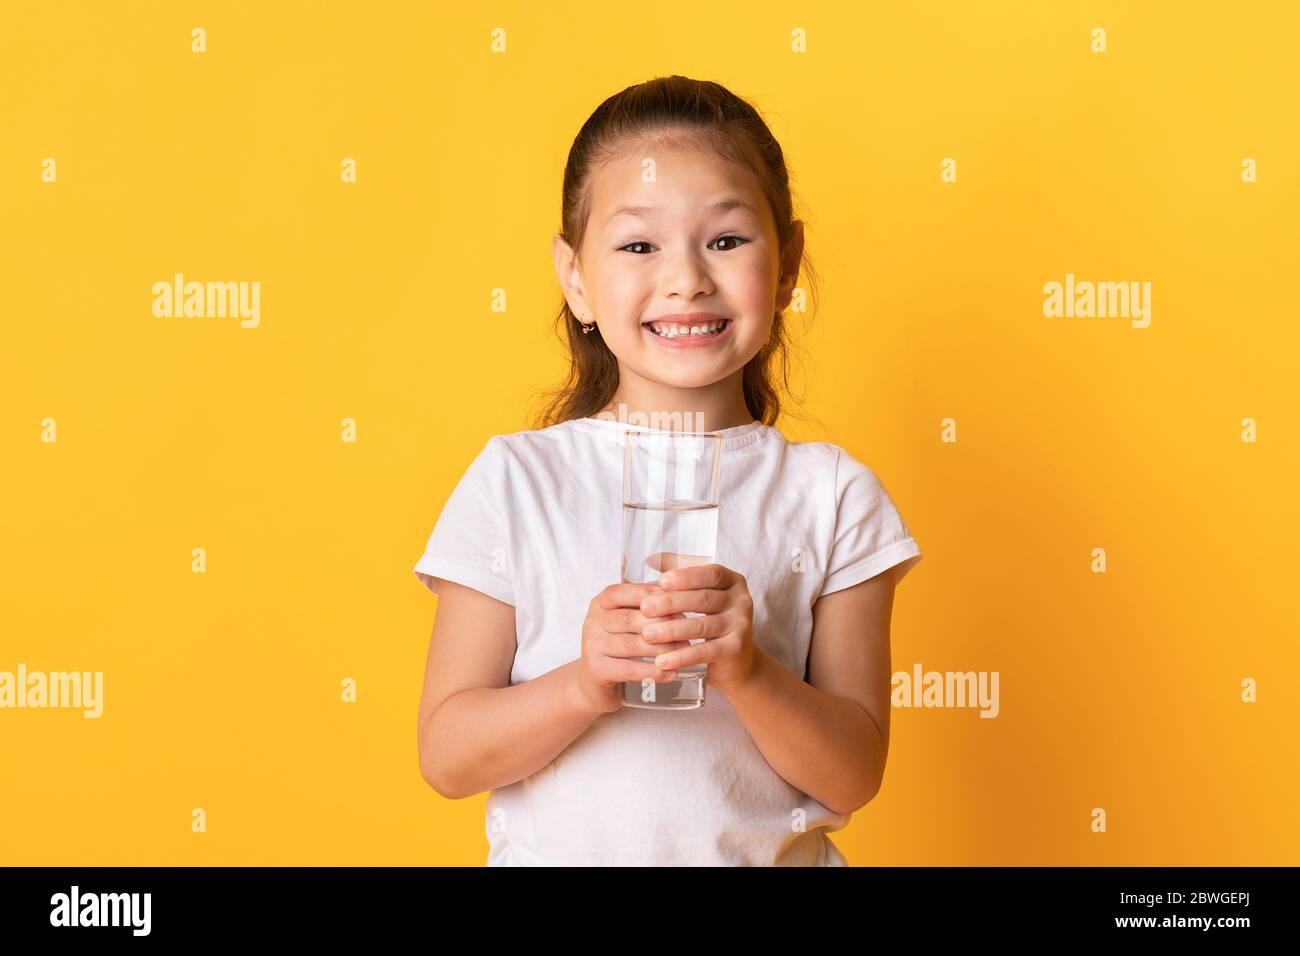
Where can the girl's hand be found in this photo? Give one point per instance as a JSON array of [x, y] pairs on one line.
[[611, 644], [727, 626]]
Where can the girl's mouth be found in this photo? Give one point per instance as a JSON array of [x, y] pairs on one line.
[[680, 335]]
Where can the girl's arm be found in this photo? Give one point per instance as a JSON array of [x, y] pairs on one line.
[[829, 737], [476, 732]]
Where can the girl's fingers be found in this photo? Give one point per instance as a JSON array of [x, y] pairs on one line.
[[674, 662], [626, 620], [659, 631], [624, 594], [635, 671], [703, 601], [674, 659], [635, 646]]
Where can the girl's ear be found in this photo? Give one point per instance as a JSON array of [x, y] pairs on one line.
[[790, 260], [570, 276]]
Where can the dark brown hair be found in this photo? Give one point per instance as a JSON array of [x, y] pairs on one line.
[[671, 108]]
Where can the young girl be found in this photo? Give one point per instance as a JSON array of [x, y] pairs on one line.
[[678, 254]]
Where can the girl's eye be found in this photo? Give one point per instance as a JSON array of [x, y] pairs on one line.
[[737, 238], [719, 239]]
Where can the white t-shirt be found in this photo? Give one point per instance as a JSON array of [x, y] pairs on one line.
[[536, 522]]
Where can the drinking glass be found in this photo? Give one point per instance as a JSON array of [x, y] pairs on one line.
[[670, 520]]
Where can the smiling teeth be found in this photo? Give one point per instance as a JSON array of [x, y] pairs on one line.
[[673, 331]]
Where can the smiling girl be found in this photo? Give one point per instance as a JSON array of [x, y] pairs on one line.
[[678, 254]]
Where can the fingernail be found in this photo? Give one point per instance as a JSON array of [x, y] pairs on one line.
[[661, 661], [651, 632]]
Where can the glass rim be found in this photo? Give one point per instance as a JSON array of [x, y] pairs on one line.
[[661, 433]]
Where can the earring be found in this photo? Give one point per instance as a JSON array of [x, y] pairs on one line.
[[585, 327]]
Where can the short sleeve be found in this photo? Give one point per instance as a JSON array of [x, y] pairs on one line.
[[870, 535], [469, 542]]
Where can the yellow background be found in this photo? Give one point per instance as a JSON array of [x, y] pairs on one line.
[[222, 690]]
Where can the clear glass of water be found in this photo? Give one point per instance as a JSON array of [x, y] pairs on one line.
[[670, 520]]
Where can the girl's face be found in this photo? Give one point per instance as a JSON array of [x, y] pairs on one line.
[[678, 239]]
